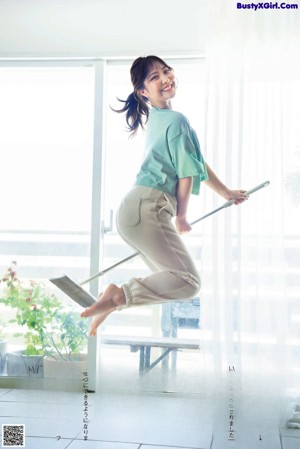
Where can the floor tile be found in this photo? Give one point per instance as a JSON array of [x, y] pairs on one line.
[[102, 445], [152, 420], [46, 443], [290, 443], [48, 428], [44, 396], [164, 447], [54, 419], [246, 441], [286, 432], [38, 410], [4, 391]]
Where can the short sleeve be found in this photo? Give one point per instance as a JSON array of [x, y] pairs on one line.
[[187, 158]]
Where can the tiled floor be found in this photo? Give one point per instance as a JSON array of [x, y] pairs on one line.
[[54, 420]]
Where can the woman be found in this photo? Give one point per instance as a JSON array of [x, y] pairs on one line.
[[172, 170]]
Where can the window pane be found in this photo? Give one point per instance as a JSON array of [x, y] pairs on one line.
[[46, 144], [46, 139]]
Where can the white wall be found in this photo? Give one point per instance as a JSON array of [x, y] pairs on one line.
[[102, 28]]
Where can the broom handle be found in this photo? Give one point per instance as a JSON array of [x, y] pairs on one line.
[[101, 273], [227, 204], [230, 202]]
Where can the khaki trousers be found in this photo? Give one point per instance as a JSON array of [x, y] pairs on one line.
[[144, 222]]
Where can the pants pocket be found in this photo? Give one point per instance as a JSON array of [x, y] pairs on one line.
[[167, 205], [129, 212]]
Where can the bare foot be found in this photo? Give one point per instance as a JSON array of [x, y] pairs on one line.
[[108, 302]]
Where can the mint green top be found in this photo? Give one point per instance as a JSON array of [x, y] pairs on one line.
[[172, 152]]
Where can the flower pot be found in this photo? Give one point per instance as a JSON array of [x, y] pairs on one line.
[[65, 369], [3, 351], [21, 365]]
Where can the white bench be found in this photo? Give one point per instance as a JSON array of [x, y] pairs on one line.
[[144, 345]]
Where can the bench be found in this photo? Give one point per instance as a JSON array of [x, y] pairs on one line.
[[180, 315], [145, 344]]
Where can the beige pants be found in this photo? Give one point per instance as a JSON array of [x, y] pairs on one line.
[[144, 222]]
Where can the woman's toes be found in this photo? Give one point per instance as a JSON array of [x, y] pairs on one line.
[[87, 312], [84, 313], [96, 323]]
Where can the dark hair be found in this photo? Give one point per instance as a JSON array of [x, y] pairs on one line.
[[136, 106]]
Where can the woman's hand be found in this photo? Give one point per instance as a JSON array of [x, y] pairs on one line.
[[237, 195], [182, 225]]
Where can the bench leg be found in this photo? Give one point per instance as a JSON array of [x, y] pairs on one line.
[[147, 357], [159, 359], [174, 360], [142, 359], [165, 363]]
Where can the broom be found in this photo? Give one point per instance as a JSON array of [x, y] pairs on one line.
[[86, 299]]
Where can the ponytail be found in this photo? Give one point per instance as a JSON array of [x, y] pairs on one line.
[[135, 107]]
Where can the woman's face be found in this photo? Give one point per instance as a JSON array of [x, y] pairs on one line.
[[159, 86]]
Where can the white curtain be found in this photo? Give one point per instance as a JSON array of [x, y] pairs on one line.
[[251, 283]]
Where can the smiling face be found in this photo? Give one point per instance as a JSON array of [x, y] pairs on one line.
[[159, 86]]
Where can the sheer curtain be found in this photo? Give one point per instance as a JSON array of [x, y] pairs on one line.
[[251, 254]]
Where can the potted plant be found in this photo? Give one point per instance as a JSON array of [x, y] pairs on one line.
[[64, 345], [34, 310], [50, 329]]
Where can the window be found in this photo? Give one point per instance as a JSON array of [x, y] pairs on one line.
[[46, 115]]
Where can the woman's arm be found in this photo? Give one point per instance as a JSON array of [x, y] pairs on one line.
[[215, 184], [183, 193]]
